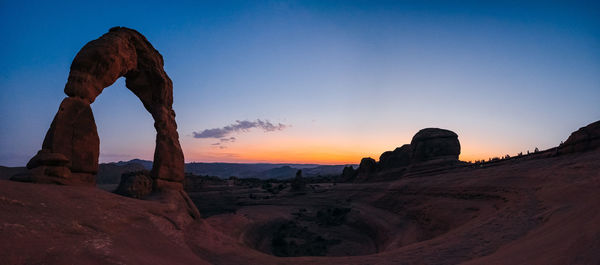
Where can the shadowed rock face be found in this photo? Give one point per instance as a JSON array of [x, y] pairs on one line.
[[120, 52], [430, 148], [586, 138], [433, 143], [135, 184], [367, 167], [400, 157]]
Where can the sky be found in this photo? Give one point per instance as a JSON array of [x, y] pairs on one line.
[[322, 82]]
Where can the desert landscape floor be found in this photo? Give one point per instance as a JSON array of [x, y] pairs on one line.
[[536, 211]]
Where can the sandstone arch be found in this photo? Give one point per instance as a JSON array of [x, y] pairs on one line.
[[70, 150]]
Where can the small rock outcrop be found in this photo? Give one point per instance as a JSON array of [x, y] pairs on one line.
[[298, 183], [135, 184], [367, 167], [584, 139], [47, 167], [348, 174], [72, 140]]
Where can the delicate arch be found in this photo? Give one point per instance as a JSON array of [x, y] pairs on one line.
[[70, 150]]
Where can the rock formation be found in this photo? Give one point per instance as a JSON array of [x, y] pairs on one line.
[[298, 183], [70, 150], [430, 148], [367, 167], [434, 144], [348, 174], [586, 138], [135, 184], [398, 158]]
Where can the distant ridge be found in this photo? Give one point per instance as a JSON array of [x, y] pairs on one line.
[[111, 172]]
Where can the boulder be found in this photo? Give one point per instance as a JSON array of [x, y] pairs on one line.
[[434, 144], [135, 184]]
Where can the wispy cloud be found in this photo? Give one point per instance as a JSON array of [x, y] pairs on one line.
[[238, 126], [219, 145]]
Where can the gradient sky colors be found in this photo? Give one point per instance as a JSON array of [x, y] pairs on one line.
[[348, 79]]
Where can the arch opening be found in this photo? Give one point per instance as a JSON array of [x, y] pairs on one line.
[[70, 151]]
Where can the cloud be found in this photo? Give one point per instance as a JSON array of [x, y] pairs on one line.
[[219, 145], [238, 126], [228, 140]]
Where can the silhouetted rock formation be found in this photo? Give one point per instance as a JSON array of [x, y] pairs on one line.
[[398, 158], [367, 167], [73, 138], [348, 174], [434, 144], [298, 183], [584, 139], [430, 148]]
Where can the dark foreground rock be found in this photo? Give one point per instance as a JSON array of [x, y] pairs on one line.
[[514, 213]]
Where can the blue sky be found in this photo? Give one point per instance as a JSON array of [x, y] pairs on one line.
[[347, 78]]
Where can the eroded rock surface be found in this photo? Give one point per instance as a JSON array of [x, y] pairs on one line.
[[121, 52]]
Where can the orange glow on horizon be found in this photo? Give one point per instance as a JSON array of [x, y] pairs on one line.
[[318, 158], [326, 147], [303, 156]]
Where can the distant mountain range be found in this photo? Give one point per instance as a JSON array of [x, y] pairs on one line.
[[110, 173]]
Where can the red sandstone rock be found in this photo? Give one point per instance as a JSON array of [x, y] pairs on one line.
[[135, 184], [73, 133], [45, 157], [120, 52]]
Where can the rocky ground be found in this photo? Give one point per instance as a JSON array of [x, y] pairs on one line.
[[538, 211]]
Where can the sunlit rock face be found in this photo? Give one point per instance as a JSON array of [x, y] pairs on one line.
[[121, 52]]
